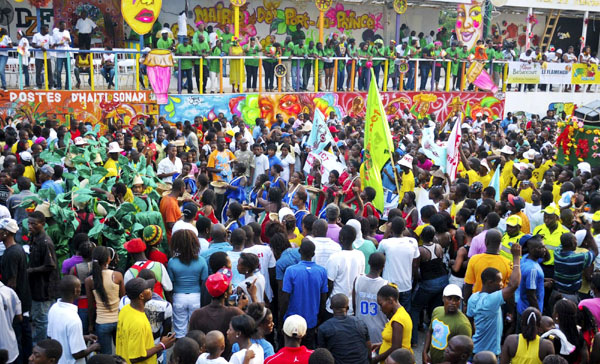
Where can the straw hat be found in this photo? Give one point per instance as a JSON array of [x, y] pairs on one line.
[[162, 187], [219, 186]]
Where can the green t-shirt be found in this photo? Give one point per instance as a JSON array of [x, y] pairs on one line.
[[267, 54], [226, 42], [251, 52], [444, 327], [445, 40], [288, 49], [377, 52], [299, 52], [451, 54], [181, 50], [214, 63], [498, 56], [164, 44], [361, 53], [201, 49], [320, 53], [423, 43]]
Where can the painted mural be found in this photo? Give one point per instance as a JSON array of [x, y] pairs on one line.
[[439, 105], [95, 107]]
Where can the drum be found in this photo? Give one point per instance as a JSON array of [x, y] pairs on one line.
[[280, 70], [158, 66]]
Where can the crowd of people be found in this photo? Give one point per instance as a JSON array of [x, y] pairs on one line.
[[225, 243]]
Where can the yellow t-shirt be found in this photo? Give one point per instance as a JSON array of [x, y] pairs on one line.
[[403, 318], [13, 149], [479, 262], [408, 183], [112, 167], [472, 175], [29, 173], [134, 335], [526, 194], [298, 239], [556, 192]]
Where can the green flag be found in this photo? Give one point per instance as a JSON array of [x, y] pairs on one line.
[[378, 144]]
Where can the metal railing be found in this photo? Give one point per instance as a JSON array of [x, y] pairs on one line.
[[297, 75]]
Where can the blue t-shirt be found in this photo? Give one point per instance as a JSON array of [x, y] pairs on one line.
[[236, 277], [305, 282], [53, 185], [273, 161], [216, 247], [532, 277], [289, 257], [484, 308], [387, 183], [267, 347], [187, 278]]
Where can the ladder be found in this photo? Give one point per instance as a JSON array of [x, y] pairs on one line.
[[551, 24]]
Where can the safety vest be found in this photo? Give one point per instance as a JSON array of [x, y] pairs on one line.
[[507, 243], [551, 239]]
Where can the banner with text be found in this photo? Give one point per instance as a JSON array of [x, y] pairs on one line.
[[523, 72], [556, 73], [584, 74], [553, 73]]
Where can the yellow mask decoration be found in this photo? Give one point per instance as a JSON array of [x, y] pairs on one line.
[[140, 14]]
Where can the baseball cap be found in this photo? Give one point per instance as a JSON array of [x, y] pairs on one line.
[[218, 283], [190, 210], [284, 212], [80, 141], [294, 326], [514, 220], [333, 129], [26, 156], [284, 135], [452, 290], [9, 225], [47, 169], [136, 245], [516, 201], [136, 286], [552, 210]]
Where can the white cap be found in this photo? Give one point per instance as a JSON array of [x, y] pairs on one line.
[[9, 225], [530, 154], [113, 147], [80, 141], [506, 150], [284, 212], [26, 156], [452, 290], [406, 161], [294, 326], [565, 199], [584, 167]]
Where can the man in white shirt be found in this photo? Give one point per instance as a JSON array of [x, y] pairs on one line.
[[61, 38], [41, 41], [344, 267], [64, 324], [170, 165], [261, 162], [181, 27], [324, 246], [186, 223], [85, 26], [11, 309], [401, 254]]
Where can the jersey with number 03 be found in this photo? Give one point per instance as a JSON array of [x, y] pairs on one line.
[[367, 309]]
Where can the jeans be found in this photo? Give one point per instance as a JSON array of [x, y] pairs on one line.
[[26, 74], [428, 294], [410, 77], [341, 77], [363, 78], [188, 79], [404, 299], [60, 63], [83, 315], [252, 77], [24, 340], [39, 319], [424, 69], [306, 74], [3, 60], [78, 71], [183, 306], [107, 333], [377, 69], [107, 73], [39, 73], [296, 82], [85, 40]]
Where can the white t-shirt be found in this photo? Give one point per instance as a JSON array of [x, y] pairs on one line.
[[11, 305], [166, 166], [203, 359], [182, 25], [64, 326], [165, 280], [324, 248], [526, 58], [61, 40], [85, 26], [399, 254], [259, 355], [285, 163], [5, 43], [182, 225], [342, 268], [267, 260], [261, 166], [204, 244], [108, 57], [260, 286]]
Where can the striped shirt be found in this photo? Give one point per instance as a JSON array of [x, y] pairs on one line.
[[568, 268]]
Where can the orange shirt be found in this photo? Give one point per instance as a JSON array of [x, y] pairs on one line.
[[169, 209], [479, 262], [525, 226]]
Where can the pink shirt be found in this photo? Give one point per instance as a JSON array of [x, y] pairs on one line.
[[592, 304], [333, 232], [478, 244]]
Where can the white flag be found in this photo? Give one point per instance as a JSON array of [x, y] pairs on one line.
[[319, 135], [453, 152]]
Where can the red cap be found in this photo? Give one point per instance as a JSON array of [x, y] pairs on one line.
[[333, 129], [217, 284], [136, 245]]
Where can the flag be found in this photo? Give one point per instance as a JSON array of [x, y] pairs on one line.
[[319, 135], [377, 146], [453, 151], [495, 182], [434, 151]]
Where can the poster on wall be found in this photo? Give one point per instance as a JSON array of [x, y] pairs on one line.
[[469, 23], [584, 74], [522, 72]]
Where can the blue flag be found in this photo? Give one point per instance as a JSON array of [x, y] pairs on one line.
[[319, 135], [433, 151], [495, 182]]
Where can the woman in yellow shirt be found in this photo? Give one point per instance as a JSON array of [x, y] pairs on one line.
[[397, 333], [27, 161]]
